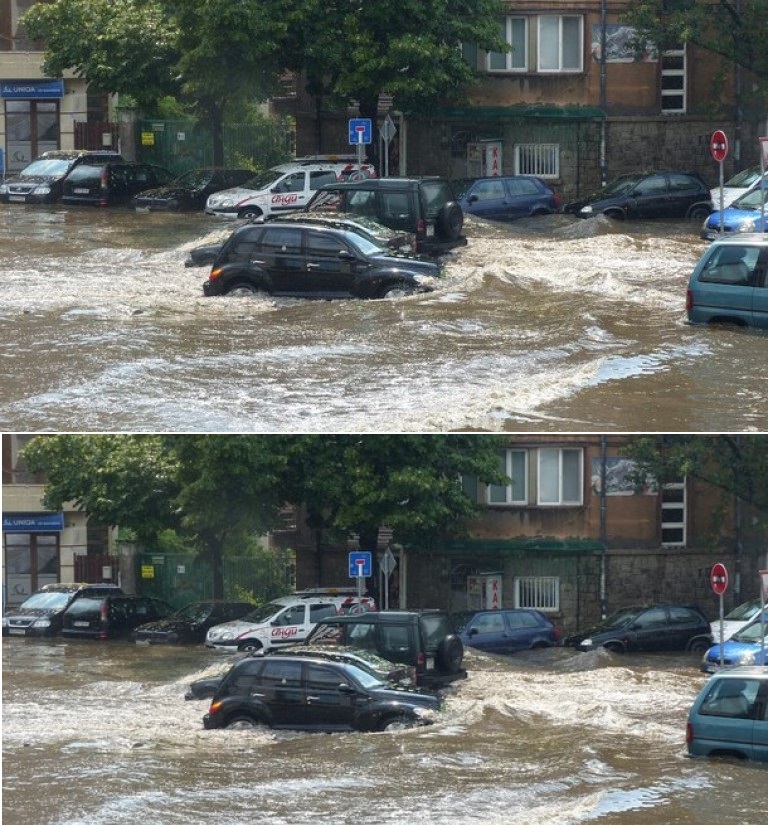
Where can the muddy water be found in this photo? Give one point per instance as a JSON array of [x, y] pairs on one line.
[[549, 324], [100, 733]]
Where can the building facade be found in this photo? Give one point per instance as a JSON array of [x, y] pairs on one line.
[[573, 102], [42, 546]]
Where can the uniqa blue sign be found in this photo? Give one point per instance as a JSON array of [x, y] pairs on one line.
[[33, 522], [31, 89]]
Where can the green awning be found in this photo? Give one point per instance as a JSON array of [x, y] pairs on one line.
[[520, 547], [517, 112]]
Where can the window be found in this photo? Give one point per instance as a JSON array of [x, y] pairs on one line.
[[514, 30], [673, 82], [561, 43], [538, 592], [513, 463], [282, 674], [286, 240], [489, 623], [540, 159], [673, 514], [561, 476]]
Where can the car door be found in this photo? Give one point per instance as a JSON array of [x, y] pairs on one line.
[[328, 706], [650, 198], [280, 687], [290, 193], [489, 632], [684, 191], [760, 292], [684, 624], [650, 631], [725, 285], [330, 263], [760, 730], [488, 199], [280, 254], [290, 625]]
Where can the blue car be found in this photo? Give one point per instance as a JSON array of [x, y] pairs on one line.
[[745, 214], [728, 284], [730, 716], [506, 198], [748, 646], [507, 631]]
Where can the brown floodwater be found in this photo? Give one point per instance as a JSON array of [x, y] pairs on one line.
[[548, 324], [100, 734]]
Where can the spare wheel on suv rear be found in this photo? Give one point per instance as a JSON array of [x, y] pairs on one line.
[[450, 221], [450, 654]]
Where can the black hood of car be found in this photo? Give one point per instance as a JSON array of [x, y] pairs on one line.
[[414, 696], [408, 262], [33, 611]]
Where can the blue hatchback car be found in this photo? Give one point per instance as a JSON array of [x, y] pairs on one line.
[[748, 646], [506, 198], [729, 285], [745, 214], [507, 631], [730, 716]]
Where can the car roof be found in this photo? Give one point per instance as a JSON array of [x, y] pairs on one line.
[[752, 238], [67, 587], [740, 671], [382, 616], [383, 183]]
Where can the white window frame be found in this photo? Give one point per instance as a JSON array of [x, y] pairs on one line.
[[514, 61], [670, 93], [539, 159], [545, 20], [562, 499], [513, 493], [538, 593], [677, 504]]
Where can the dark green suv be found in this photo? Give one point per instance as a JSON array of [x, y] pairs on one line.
[[425, 639], [425, 207]]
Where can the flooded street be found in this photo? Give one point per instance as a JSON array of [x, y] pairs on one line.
[[550, 324], [98, 733]]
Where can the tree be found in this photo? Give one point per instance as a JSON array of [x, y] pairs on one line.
[[736, 464], [733, 29], [214, 54]]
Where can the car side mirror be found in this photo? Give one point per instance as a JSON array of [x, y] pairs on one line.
[[473, 198], [473, 631], [348, 689], [346, 255]]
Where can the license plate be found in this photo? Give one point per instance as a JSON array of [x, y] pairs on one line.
[[81, 191], [81, 624], [430, 230], [17, 631], [430, 663], [17, 198]]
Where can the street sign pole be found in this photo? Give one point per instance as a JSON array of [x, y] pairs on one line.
[[718, 577], [763, 600], [719, 147], [360, 577], [763, 162]]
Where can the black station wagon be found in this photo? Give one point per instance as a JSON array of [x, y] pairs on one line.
[[313, 261]]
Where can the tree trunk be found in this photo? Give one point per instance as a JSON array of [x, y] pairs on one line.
[[369, 107]]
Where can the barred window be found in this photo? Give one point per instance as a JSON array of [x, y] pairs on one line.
[[540, 159], [538, 592]]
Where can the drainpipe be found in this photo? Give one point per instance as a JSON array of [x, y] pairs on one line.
[[603, 525], [603, 93]]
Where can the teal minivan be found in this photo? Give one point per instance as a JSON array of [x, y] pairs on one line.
[[729, 285], [730, 715]]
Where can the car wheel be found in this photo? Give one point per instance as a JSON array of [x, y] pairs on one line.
[[450, 221], [450, 654], [243, 289], [699, 645], [400, 721], [615, 647], [250, 646], [242, 721], [614, 214], [699, 212], [396, 291], [250, 213]]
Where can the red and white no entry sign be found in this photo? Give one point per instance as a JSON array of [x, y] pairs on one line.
[[719, 145], [719, 578]]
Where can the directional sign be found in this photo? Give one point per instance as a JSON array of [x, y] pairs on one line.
[[360, 564], [719, 578], [719, 145], [360, 130]]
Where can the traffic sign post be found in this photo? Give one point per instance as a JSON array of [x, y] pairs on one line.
[[360, 568], [763, 600], [718, 577], [360, 134], [719, 147]]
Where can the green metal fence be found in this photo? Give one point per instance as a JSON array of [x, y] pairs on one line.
[[179, 578], [180, 145]]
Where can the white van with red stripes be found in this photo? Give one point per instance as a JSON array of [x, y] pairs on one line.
[[286, 187], [284, 621]]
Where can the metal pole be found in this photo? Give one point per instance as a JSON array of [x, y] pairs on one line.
[[722, 629]]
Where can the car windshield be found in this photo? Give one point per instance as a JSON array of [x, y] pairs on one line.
[[46, 167], [263, 180], [365, 677], [261, 614], [620, 185], [753, 199], [752, 632], [196, 178], [364, 242], [744, 611], [194, 612], [47, 601], [744, 178], [621, 617]]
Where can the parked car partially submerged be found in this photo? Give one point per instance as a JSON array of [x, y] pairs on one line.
[[507, 630], [506, 198], [190, 190], [729, 717], [735, 186], [748, 646], [745, 214], [647, 627], [190, 624], [668, 194], [736, 619]]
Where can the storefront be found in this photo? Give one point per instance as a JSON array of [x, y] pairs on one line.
[[32, 553], [32, 117]]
